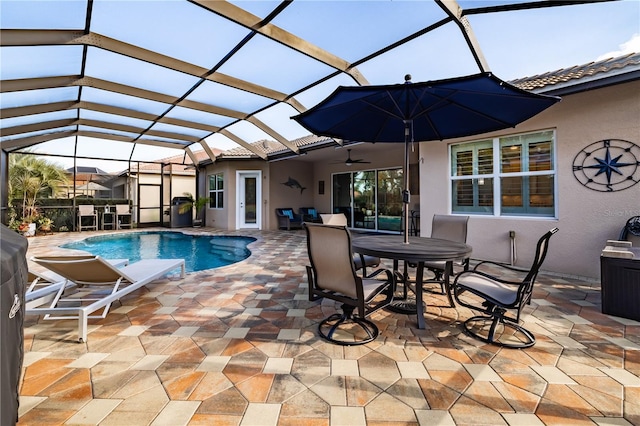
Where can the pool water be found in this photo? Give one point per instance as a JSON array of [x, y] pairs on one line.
[[199, 251]]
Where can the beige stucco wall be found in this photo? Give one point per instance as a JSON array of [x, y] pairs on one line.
[[586, 218], [226, 218], [286, 196]]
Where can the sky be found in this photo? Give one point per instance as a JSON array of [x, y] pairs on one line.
[[521, 44]]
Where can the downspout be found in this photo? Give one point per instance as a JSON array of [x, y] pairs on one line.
[[513, 252]]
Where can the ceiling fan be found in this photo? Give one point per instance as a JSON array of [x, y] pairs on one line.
[[350, 161]]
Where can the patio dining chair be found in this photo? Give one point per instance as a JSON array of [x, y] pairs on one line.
[[123, 216], [631, 231], [499, 294], [452, 228], [90, 216], [360, 261], [332, 275]]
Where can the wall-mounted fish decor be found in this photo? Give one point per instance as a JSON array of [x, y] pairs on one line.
[[292, 183]]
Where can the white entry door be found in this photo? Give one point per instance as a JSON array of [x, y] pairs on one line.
[[249, 196]]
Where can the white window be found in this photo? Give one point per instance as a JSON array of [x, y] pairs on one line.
[[216, 191], [506, 176]]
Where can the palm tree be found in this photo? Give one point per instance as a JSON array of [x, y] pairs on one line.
[[31, 178]]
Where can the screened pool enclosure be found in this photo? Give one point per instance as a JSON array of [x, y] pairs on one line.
[[133, 82]]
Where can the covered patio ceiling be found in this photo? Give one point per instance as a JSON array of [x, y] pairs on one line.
[[143, 80]]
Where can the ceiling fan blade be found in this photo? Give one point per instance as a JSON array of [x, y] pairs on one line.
[[349, 161]]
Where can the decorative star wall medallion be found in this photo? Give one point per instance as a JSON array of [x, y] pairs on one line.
[[608, 165]]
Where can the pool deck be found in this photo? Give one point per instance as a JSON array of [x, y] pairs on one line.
[[238, 345]]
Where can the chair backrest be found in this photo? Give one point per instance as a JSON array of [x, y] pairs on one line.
[[285, 212], [82, 269], [449, 227], [329, 249], [338, 219], [309, 211], [86, 209], [541, 252], [122, 209], [631, 231]]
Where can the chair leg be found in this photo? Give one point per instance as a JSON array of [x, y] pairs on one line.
[[443, 279], [481, 322], [334, 322]]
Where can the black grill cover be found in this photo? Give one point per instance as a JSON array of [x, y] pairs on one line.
[[13, 277]]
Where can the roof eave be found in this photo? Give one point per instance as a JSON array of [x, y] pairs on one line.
[[590, 83]]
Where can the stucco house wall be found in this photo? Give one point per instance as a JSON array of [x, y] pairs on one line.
[[586, 218], [225, 218], [282, 176], [308, 174]]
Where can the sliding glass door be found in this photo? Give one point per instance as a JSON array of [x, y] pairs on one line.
[[342, 195], [370, 199], [364, 199], [390, 185]]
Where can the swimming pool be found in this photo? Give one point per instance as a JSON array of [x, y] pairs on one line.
[[199, 251]]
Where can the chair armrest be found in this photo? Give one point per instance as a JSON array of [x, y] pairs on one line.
[[489, 276], [501, 265], [390, 276], [283, 219]]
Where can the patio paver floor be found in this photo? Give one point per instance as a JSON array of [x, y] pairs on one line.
[[238, 346]]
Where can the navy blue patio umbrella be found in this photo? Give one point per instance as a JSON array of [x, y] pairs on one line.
[[425, 111]]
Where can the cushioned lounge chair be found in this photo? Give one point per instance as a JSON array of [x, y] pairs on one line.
[[288, 220], [309, 214], [90, 276]]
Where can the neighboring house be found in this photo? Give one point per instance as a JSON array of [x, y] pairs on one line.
[[528, 179], [149, 193], [89, 182]]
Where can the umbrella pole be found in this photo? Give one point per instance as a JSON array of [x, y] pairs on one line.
[[406, 194]]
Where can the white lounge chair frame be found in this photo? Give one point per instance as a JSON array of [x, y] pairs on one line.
[[43, 286], [120, 281]]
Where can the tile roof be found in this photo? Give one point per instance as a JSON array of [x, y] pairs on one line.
[[273, 148], [578, 73], [87, 170]]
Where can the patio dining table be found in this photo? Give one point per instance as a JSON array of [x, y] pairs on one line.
[[419, 250]]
